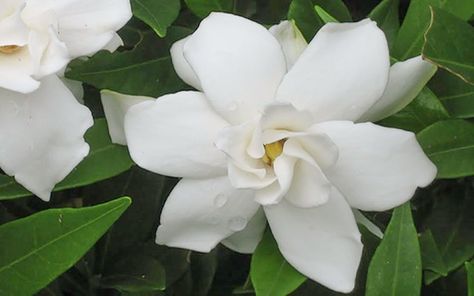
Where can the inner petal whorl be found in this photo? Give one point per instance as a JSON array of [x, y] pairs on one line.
[[272, 151]]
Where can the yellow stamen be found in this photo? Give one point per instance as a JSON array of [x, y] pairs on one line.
[[8, 49], [272, 151]]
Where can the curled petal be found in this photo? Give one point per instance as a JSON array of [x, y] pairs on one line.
[[181, 66], [291, 40]]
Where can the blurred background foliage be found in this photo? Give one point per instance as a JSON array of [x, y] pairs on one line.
[[89, 241]]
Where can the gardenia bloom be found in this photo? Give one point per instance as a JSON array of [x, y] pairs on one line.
[[40, 37], [276, 132], [42, 124]]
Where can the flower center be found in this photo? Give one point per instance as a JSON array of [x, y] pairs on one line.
[[9, 49], [272, 151]]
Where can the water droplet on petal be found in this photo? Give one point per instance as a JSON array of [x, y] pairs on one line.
[[237, 223], [220, 200]]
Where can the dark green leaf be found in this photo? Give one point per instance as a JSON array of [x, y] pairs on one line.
[[410, 37], [449, 43], [324, 15], [450, 145], [451, 222], [104, 161], [203, 268], [158, 14], [37, 249], [270, 273], [395, 268], [422, 112], [470, 277], [202, 8], [146, 70], [135, 273], [386, 16], [308, 21], [457, 95], [431, 255]]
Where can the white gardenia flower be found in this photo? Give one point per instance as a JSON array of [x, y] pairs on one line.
[[276, 132], [42, 124], [40, 37]]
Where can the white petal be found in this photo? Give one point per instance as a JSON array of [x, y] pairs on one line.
[[239, 64], [181, 66], [198, 214], [113, 44], [378, 168], [49, 54], [86, 26], [41, 135], [285, 117], [175, 135], [75, 87], [16, 70], [406, 81], [13, 31], [291, 40], [116, 106], [323, 243], [247, 240], [341, 74]]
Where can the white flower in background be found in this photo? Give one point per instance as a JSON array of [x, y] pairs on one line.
[[42, 124], [40, 37], [275, 133]]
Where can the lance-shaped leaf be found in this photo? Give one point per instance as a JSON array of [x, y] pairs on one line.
[[450, 145], [202, 8], [395, 268], [449, 43], [470, 277], [37, 249], [158, 14], [270, 273]]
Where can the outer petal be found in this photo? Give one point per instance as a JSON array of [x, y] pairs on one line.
[[174, 136], [322, 243], [41, 135], [239, 64], [116, 106], [247, 240], [291, 40], [378, 168], [181, 66], [86, 26], [13, 30], [200, 213], [341, 74], [406, 81]]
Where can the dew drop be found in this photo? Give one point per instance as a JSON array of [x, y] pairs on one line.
[[237, 223], [220, 200]]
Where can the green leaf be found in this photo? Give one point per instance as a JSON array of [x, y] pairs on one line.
[[422, 112], [308, 21], [450, 145], [324, 15], [270, 273], [431, 255], [450, 222], [457, 95], [449, 43], [203, 8], [104, 161], [37, 249], [386, 16], [409, 40], [470, 277], [395, 268], [145, 70], [135, 273], [158, 14]]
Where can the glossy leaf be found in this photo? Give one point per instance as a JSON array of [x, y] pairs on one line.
[[308, 20], [395, 268], [455, 94], [449, 43], [146, 70], [203, 8], [324, 15], [430, 254], [38, 248], [422, 112], [270, 273], [386, 16], [104, 161], [158, 14], [409, 40], [450, 145]]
